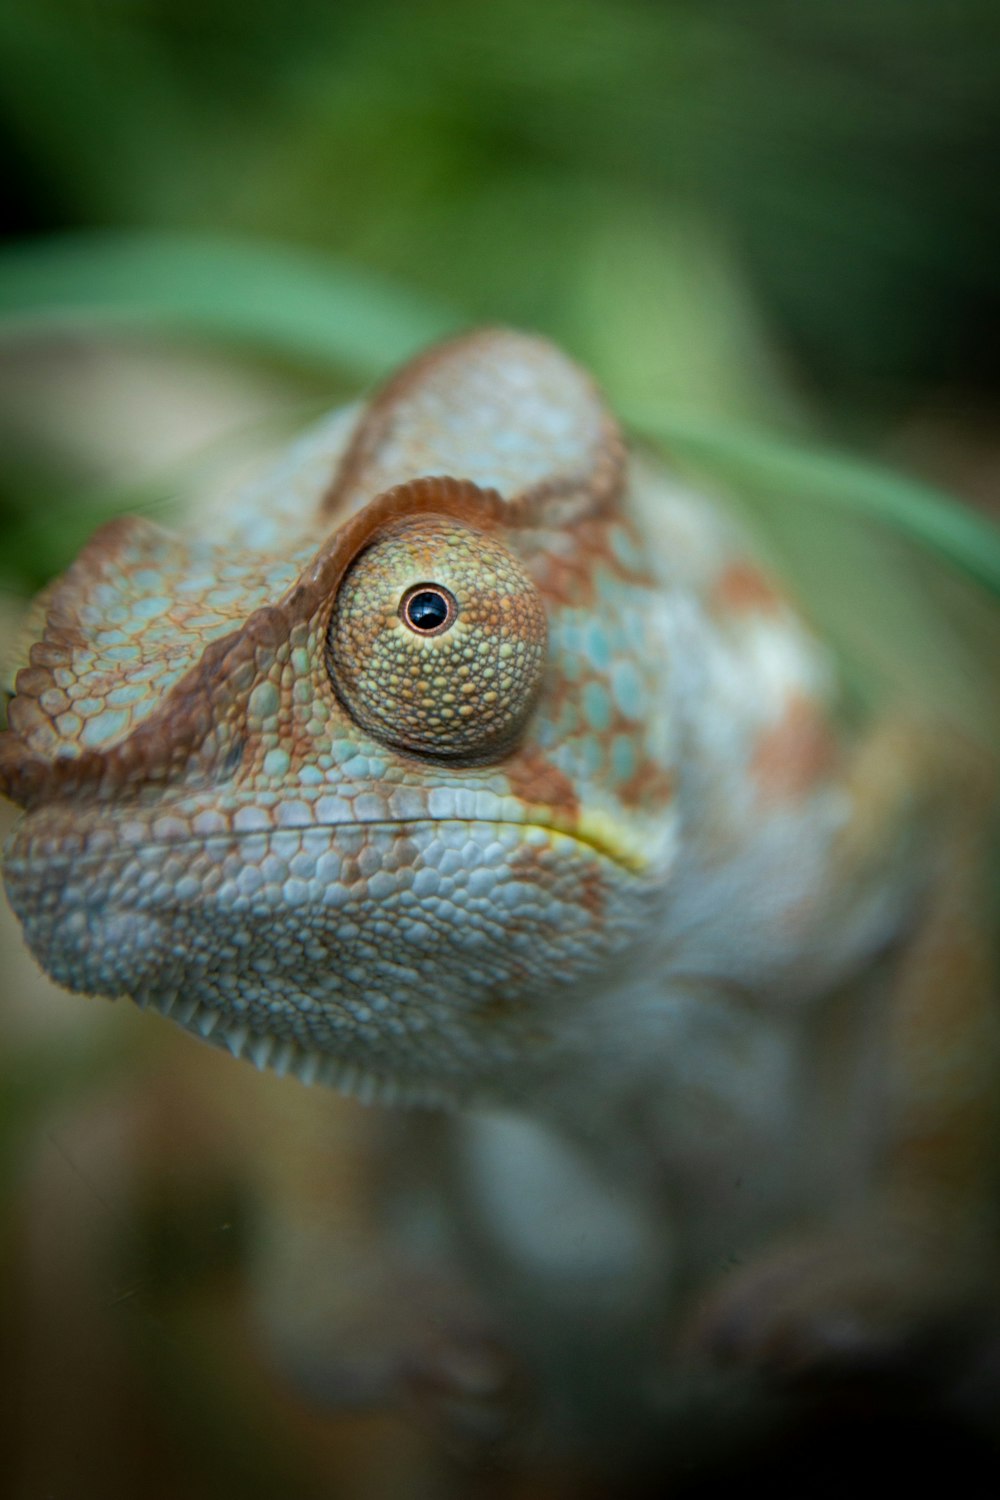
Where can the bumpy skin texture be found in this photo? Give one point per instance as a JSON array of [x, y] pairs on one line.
[[211, 823], [592, 845]]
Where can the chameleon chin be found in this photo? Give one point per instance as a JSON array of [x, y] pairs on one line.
[[471, 761]]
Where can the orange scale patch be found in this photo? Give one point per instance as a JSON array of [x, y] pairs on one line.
[[650, 788], [570, 578], [534, 779], [743, 588], [793, 756], [533, 866]]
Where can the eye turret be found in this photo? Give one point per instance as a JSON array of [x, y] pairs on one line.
[[437, 639]]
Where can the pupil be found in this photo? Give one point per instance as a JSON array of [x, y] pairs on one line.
[[426, 610]]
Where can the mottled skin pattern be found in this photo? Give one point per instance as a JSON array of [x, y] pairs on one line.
[[594, 848]]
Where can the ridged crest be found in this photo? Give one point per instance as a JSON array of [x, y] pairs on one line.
[[494, 405]]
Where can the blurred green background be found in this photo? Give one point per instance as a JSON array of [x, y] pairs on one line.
[[675, 187], [772, 230], [771, 210]]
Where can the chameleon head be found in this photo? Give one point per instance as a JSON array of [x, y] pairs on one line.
[[382, 806]]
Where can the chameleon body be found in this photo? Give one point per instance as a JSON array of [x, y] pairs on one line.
[[471, 760]]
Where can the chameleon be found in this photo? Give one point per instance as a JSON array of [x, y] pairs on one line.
[[474, 765]]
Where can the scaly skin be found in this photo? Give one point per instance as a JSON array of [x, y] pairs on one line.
[[597, 848]]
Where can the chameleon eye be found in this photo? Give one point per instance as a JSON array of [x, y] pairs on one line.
[[436, 643], [428, 609]]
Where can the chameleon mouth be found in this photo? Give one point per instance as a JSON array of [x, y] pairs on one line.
[[30, 847]]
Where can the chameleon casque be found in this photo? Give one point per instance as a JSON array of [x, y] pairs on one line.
[[472, 761]]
